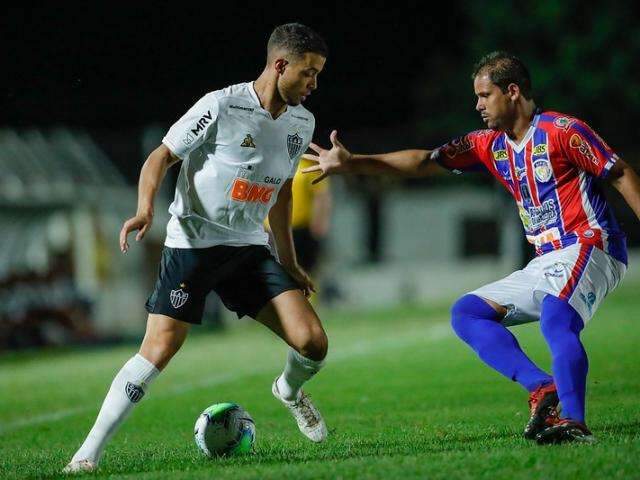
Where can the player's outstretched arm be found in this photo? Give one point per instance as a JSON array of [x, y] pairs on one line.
[[626, 181], [151, 175], [338, 159]]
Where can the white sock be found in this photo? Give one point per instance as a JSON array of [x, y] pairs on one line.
[[127, 389], [297, 371]]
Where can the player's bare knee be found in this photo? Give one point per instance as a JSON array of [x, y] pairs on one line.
[[314, 344], [161, 348]]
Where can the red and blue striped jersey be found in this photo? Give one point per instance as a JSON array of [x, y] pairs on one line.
[[552, 176]]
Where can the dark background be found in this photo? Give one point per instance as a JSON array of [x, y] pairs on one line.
[[397, 76]]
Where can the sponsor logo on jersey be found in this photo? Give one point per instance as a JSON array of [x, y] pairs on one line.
[[203, 122], [521, 172], [458, 146], [272, 180], [239, 107], [544, 214], [178, 297], [248, 142], [294, 144], [500, 155], [188, 140], [134, 392], [243, 190], [542, 170], [580, 144], [540, 149], [588, 233], [563, 123]]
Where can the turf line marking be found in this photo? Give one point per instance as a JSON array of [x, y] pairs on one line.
[[432, 334]]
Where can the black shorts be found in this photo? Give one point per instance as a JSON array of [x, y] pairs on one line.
[[245, 279]]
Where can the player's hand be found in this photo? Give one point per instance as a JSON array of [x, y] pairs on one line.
[[328, 161], [141, 223], [303, 279]]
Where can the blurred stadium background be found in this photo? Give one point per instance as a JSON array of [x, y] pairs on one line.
[[90, 93]]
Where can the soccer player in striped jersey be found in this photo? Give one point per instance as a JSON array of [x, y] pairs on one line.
[[551, 164]]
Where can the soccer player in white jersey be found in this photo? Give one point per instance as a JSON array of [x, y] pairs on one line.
[[551, 163], [239, 147]]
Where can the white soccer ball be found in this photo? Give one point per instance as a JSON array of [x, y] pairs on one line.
[[225, 429]]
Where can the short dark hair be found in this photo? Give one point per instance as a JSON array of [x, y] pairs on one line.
[[296, 39], [504, 68]]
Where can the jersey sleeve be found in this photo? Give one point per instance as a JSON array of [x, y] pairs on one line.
[[463, 154], [194, 127], [584, 148]]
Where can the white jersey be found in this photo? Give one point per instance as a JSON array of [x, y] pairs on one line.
[[235, 158]]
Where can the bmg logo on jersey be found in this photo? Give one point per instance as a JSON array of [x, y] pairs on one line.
[[243, 190]]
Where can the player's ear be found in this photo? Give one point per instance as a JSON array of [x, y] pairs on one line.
[[514, 91], [280, 65]]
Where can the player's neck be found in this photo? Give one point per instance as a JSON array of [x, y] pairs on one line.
[[267, 91], [522, 121]]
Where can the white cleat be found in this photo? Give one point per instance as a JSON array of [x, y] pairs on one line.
[[80, 466], [307, 416]]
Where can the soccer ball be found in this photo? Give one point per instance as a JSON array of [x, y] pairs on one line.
[[225, 429]]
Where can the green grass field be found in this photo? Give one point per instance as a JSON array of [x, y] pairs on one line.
[[403, 398]]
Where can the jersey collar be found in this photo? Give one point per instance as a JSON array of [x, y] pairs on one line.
[[254, 95], [518, 147]]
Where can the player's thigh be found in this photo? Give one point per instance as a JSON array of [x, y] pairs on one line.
[[290, 316], [513, 296], [582, 275], [163, 338]]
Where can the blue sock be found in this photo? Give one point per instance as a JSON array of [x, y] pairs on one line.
[[477, 324], [561, 326]]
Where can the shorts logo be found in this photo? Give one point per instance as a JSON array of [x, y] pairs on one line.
[[245, 191], [542, 170], [248, 142], [589, 299], [579, 143], [555, 270], [294, 145], [134, 392], [178, 297]]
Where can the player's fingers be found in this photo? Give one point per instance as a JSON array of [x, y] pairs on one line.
[[334, 139], [315, 148], [142, 232], [123, 238], [311, 158], [319, 178], [315, 168]]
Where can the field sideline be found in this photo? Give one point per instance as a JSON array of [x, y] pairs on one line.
[[403, 398]]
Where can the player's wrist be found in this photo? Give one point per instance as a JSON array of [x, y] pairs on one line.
[[145, 212]]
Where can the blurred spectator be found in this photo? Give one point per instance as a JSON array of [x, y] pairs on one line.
[[43, 309]]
